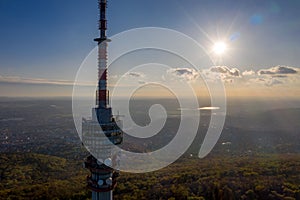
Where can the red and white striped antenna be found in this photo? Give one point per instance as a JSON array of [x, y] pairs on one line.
[[102, 93]]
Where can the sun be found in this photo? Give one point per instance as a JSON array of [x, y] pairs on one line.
[[220, 48]]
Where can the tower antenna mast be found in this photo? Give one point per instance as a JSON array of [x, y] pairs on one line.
[[101, 133]]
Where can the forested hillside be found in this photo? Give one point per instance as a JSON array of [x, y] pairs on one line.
[[37, 176]]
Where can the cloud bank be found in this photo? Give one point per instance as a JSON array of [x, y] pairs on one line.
[[39, 81], [277, 75], [283, 76]]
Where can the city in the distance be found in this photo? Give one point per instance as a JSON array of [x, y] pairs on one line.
[[173, 99]]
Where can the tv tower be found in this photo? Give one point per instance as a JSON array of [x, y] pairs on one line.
[[102, 132]]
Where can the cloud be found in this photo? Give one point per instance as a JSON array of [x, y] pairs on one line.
[[277, 75], [274, 82], [266, 81], [224, 73], [135, 75], [38, 81], [280, 69], [188, 74], [248, 73], [229, 72]]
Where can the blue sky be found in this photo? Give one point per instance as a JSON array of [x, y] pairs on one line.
[[49, 39]]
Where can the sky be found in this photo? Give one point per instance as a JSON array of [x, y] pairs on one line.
[[43, 43]]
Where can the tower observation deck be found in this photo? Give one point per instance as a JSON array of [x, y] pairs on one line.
[[102, 132]]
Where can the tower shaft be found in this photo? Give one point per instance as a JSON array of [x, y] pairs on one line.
[[101, 133], [102, 94]]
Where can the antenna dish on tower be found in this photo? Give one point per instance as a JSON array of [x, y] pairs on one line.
[[107, 162], [109, 181], [100, 182]]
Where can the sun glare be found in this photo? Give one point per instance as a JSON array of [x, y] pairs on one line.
[[219, 48]]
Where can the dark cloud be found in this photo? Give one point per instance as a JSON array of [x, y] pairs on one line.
[[278, 70], [186, 73]]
